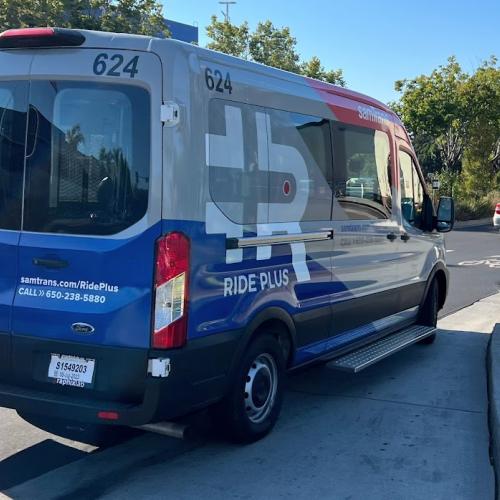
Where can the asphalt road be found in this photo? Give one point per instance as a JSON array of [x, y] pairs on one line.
[[470, 283], [362, 451]]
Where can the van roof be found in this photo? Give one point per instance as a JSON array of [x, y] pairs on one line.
[[100, 39]]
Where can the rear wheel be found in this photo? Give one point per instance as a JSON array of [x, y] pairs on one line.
[[253, 404], [429, 311]]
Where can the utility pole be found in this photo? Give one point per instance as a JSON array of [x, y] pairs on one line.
[[227, 4]]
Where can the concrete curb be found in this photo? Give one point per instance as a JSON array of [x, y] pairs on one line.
[[493, 369], [472, 223]]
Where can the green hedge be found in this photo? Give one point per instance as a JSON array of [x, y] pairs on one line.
[[477, 208]]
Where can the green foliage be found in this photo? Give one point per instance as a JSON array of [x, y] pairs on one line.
[[454, 120], [476, 208], [450, 183], [228, 38], [144, 17], [483, 144], [267, 45], [22, 14], [475, 193], [477, 176], [434, 107], [274, 47], [314, 69]]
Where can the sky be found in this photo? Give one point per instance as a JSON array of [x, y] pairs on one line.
[[375, 42]]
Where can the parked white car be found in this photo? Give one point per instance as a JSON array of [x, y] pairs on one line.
[[496, 216]]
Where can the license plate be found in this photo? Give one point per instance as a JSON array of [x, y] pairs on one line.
[[71, 370]]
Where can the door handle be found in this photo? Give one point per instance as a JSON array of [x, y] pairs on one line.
[[50, 263], [405, 237], [391, 236]]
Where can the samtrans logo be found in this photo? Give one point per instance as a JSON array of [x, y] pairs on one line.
[[255, 282]]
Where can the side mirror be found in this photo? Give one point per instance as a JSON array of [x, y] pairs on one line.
[[445, 219]]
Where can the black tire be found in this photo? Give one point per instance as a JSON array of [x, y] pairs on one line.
[[429, 311], [252, 406], [93, 434]]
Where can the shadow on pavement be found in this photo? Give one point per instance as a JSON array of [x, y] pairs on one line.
[[36, 460], [488, 228]]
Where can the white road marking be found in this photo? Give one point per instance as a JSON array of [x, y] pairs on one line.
[[493, 262], [449, 251]]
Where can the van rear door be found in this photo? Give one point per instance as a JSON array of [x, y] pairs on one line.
[[14, 73], [91, 210]]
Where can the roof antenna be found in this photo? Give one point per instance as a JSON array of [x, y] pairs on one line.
[[226, 14]]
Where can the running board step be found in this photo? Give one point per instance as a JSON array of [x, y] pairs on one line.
[[370, 354]]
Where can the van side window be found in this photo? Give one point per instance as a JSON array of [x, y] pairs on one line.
[[268, 165], [362, 173], [412, 190], [88, 172], [13, 107], [237, 157], [299, 145]]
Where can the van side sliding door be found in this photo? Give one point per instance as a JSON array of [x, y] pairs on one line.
[[270, 174]]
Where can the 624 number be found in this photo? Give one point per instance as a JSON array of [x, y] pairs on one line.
[[216, 81], [112, 65]]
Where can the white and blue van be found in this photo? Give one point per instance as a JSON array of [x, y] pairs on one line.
[[179, 228]]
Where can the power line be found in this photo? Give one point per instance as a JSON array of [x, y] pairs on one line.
[[227, 4]]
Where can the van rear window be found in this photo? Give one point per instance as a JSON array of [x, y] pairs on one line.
[[88, 157], [13, 108]]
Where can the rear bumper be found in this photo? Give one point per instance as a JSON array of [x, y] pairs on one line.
[[79, 409], [198, 377], [496, 221]]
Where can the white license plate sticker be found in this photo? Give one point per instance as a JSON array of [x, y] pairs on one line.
[[71, 371]]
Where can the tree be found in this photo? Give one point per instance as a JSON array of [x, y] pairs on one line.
[[228, 38], [434, 107], [454, 120], [143, 17], [274, 47], [267, 45], [22, 14], [74, 137], [314, 69], [483, 97], [481, 165]]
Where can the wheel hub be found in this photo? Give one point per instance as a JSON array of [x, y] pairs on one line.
[[260, 388]]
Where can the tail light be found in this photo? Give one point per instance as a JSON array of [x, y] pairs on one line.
[[497, 209], [171, 291], [40, 37]]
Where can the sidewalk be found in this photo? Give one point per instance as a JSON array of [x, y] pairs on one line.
[[493, 368], [482, 316]]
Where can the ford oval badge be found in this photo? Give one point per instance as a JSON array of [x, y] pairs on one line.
[[82, 328]]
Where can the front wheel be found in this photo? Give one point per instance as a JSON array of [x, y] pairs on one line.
[[253, 404], [429, 311]]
